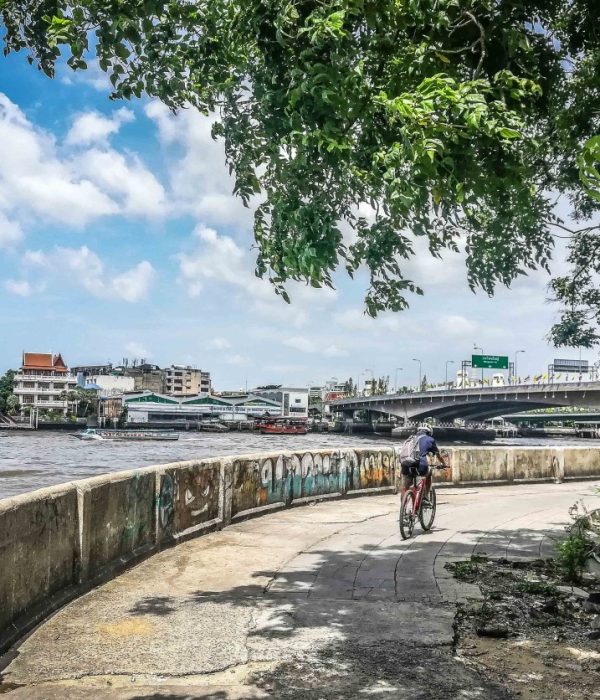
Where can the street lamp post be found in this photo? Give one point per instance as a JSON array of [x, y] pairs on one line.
[[515, 365], [415, 359], [448, 362], [398, 369], [475, 347], [372, 379]]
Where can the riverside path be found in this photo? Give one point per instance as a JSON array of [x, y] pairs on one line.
[[322, 601]]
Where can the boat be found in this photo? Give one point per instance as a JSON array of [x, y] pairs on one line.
[[212, 427], [282, 426], [106, 434]]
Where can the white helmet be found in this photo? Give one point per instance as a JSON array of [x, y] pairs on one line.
[[425, 429]]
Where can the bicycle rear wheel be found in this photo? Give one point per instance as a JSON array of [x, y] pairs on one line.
[[407, 515], [427, 512]]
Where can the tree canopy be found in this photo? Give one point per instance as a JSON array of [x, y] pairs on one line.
[[356, 127]]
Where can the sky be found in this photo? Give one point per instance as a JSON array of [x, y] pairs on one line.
[[120, 237]]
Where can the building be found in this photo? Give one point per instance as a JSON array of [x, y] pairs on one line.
[[41, 381], [293, 401], [149, 407], [180, 380]]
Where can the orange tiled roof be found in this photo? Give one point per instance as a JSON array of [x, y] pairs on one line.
[[43, 360]]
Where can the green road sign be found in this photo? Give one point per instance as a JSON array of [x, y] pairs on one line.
[[490, 361]]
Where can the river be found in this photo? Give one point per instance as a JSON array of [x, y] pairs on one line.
[[31, 461]]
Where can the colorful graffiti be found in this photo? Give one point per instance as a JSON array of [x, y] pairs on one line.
[[287, 478], [189, 496]]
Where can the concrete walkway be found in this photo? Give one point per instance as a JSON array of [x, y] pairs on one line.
[[322, 601]]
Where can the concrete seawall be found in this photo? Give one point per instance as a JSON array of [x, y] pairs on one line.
[[55, 543]]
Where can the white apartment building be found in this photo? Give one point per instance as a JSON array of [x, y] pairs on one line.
[[293, 400], [40, 381]]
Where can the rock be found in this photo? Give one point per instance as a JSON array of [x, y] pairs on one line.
[[594, 634], [596, 623], [591, 607], [496, 631], [573, 591], [594, 597]]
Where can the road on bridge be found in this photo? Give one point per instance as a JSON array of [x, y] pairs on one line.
[[322, 601]]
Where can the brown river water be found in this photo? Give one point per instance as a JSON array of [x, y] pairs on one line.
[[34, 460]]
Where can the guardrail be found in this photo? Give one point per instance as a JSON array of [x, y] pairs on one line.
[[55, 543]]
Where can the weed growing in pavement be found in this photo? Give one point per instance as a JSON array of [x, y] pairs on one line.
[[467, 570], [572, 553], [537, 588]]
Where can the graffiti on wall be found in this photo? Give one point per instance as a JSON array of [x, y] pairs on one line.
[[283, 479], [370, 469], [188, 497]]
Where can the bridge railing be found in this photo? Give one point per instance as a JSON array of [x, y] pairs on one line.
[[579, 387]]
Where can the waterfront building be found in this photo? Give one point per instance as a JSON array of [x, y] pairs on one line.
[[40, 381], [150, 407], [183, 380], [293, 400]]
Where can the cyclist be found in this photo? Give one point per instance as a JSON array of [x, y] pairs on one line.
[[427, 446]]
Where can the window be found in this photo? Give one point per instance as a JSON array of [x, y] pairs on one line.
[[28, 399], [28, 385], [297, 400], [59, 386]]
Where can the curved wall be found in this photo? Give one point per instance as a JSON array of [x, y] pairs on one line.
[[56, 542]]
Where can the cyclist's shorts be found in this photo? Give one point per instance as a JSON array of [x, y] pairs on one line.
[[415, 471], [409, 476]]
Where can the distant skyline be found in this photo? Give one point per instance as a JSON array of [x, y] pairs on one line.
[[119, 237]]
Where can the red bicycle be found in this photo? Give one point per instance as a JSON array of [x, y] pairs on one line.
[[416, 505]]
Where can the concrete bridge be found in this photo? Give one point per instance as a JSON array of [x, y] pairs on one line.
[[323, 601], [473, 404]]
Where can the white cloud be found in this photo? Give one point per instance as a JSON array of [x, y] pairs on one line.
[[219, 260], [314, 345], [219, 344], [134, 284], [20, 288], [355, 319], [71, 184], [130, 183], [94, 76], [456, 325], [10, 232], [93, 127], [35, 257], [35, 182], [335, 351], [237, 360], [199, 179], [300, 343], [87, 270], [136, 350]]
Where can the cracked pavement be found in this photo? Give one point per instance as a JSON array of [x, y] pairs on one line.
[[321, 601]]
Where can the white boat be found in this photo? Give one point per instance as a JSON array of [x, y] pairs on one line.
[[106, 434]]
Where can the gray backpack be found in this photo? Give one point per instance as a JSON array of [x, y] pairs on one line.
[[410, 452]]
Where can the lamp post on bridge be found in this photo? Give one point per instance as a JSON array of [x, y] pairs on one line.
[[398, 369], [515, 366], [415, 359], [475, 347], [448, 362]]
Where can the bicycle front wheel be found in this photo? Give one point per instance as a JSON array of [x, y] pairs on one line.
[[407, 515], [427, 512]]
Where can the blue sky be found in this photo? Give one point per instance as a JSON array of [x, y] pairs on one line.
[[119, 237]]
